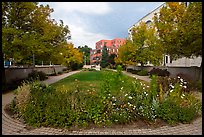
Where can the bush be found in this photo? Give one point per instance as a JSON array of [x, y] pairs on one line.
[[22, 96], [198, 85], [143, 73], [159, 72], [129, 69], [64, 69], [60, 72], [34, 75], [180, 110]]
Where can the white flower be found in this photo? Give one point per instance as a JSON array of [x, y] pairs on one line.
[[181, 80], [171, 90], [121, 88], [185, 82], [183, 95], [179, 77], [185, 86], [113, 97], [126, 95], [143, 88], [147, 86], [130, 97], [113, 104], [171, 86]]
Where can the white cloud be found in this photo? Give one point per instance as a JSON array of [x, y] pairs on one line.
[[81, 37], [99, 8], [74, 14]]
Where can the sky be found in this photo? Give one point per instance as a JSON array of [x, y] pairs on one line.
[[90, 22]]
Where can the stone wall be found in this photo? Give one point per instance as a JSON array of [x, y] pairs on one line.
[[195, 73], [13, 74]]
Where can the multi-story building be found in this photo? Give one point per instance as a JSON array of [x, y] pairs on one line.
[[112, 47], [181, 62]]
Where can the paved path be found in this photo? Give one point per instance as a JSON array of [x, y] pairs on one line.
[[145, 78], [11, 126]]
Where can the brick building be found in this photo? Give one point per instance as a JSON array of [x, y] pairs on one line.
[[112, 47]]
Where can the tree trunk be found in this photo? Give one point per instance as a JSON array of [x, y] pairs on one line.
[[142, 65]]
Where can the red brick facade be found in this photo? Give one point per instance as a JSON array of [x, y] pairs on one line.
[[112, 46]]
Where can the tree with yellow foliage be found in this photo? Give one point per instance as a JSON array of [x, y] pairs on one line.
[[70, 56]]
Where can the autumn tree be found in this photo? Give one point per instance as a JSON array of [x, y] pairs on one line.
[[72, 57], [143, 47], [180, 29], [124, 55]]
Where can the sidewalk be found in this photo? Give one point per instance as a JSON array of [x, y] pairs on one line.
[[53, 79], [145, 78]]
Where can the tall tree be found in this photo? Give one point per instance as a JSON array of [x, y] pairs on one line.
[[28, 30], [190, 31], [124, 55], [72, 57], [104, 60], [111, 60], [86, 51], [180, 29], [143, 47]]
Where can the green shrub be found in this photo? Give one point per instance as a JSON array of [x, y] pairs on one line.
[[179, 106], [143, 73], [135, 71], [159, 72], [60, 72], [34, 75], [198, 85]]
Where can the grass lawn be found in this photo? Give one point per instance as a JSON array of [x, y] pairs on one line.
[[87, 80], [84, 79]]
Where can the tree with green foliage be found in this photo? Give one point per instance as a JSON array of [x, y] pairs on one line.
[[180, 29], [111, 60], [28, 30], [143, 47], [124, 54], [86, 51], [145, 42], [104, 60]]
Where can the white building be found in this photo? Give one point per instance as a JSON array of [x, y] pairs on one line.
[[182, 62]]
